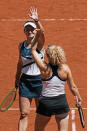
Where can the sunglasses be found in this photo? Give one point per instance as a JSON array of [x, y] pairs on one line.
[[29, 28]]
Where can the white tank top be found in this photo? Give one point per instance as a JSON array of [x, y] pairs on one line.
[[29, 65], [53, 86]]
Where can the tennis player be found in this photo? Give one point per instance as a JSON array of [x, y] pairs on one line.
[[28, 77], [53, 100]]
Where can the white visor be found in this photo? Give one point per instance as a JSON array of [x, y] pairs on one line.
[[31, 24]]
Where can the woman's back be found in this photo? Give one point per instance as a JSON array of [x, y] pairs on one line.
[[54, 83]]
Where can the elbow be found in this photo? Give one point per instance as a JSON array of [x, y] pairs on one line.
[[74, 89], [42, 30]]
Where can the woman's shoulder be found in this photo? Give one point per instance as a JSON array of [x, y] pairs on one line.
[[65, 67], [48, 72], [20, 44]]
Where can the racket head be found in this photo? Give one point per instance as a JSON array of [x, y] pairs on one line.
[[81, 116], [8, 100]]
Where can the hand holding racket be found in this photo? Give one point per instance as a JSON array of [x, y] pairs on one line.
[[8, 100], [78, 105]]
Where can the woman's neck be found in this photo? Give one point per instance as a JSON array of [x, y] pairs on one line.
[[28, 44]]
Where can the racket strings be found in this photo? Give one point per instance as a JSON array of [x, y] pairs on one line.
[[8, 101]]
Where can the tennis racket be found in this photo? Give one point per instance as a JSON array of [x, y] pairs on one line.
[[80, 114], [8, 100]]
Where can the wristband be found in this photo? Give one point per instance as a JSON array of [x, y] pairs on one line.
[[37, 20]]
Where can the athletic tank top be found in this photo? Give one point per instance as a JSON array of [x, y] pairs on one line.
[[29, 65], [53, 86]]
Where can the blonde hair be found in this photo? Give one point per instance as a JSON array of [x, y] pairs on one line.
[[55, 54]]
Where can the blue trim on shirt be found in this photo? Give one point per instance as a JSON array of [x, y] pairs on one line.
[[26, 53]]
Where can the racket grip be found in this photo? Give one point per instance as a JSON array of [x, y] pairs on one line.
[[77, 102]]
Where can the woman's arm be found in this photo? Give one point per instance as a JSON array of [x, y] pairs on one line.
[[34, 16], [72, 86], [18, 72], [41, 39], [41, 64]]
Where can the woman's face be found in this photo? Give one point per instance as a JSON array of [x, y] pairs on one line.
[[29, 32]]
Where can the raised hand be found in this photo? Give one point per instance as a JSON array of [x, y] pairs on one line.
[[33, 13]]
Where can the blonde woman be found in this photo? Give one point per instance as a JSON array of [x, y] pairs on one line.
[[53, 98]]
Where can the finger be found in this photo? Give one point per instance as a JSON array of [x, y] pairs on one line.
[[36, 10], [31, 9], [30, 15], [37, 30], [16, 87]]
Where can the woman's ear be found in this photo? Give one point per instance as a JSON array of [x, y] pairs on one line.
[[24, 30]]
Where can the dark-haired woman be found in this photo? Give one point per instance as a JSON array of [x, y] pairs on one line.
[[28, 77]]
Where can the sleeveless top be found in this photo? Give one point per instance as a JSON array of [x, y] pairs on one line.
[[29, 65], [53, 86]]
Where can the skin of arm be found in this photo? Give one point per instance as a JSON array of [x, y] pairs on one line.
[[19, 68], [37, 58], [34, 15], [72, 86], [41, 39]]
